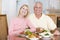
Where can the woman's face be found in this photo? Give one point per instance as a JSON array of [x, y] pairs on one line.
[[24, 11]]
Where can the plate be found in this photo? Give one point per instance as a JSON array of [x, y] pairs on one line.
[[34, 38], [44, 34]]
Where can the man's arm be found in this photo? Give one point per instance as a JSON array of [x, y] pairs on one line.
[[52, 26], [52, 31]]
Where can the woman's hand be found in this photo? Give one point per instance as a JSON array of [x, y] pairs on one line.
[[22, 32]]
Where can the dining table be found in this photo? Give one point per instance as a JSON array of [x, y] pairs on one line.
[[55, 37]]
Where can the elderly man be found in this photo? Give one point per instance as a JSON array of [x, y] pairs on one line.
[[42, 21]]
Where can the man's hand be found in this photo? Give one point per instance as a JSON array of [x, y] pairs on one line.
[[56, 32]]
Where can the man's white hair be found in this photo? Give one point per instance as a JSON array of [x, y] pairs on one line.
[[38, 2]]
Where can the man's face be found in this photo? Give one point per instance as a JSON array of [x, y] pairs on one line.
[[38, 8]]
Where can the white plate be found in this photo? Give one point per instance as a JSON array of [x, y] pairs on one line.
[[43, 34], [34, 38]]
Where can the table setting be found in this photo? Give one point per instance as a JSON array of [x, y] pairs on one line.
[[44, 35]]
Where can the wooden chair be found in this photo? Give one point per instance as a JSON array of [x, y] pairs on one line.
[[3, 27], [54, 17]]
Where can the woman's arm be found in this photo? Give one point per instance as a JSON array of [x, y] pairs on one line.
[[31, 26], [13, 28]]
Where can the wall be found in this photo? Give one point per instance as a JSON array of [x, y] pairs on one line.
[[9, 8], [0, 6], [54, 4]]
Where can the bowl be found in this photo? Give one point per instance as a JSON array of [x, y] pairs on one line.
[[46, 38]]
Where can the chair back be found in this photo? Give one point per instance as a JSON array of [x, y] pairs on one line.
[[3, 27], [54, 17]]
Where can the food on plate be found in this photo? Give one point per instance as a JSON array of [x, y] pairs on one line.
[[28, 32], [31, 36], [45, 30], [46, 34]]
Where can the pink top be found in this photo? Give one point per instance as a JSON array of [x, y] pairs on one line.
[[18, 25]]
